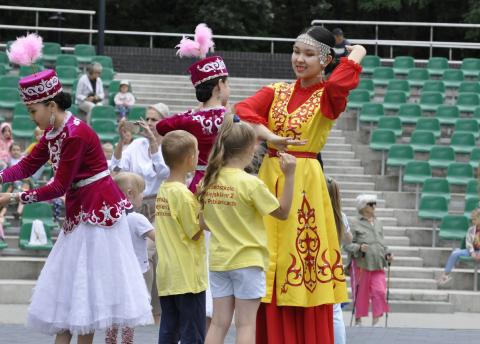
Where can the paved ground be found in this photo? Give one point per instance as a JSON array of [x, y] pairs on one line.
[[403, 328]]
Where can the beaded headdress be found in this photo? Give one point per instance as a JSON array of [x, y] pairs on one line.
[[323, 49]]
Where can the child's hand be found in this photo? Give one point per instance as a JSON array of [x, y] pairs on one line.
[[288, 163]]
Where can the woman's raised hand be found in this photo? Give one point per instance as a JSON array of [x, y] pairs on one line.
[[281, 143]]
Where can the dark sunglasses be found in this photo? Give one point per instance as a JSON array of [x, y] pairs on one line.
[[372, 204]]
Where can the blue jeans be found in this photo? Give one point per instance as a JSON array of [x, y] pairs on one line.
[[183, 318], [454, 257], [122, 111]]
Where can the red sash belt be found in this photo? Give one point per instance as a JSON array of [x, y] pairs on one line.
[[306, 155]]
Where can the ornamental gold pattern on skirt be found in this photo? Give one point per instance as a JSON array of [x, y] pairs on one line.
[[307, 268]]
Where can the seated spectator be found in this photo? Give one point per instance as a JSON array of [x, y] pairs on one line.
[[5, 143], [108, 151], [15, 154], [17, 186], [124, 100], [90, 89], [37, 134], [472, 244]]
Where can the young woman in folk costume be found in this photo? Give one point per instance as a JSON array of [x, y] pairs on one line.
[[209, 77], [91, 279], [305, 275]]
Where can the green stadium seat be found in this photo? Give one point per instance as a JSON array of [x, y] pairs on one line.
[[24, 239], [476, 114], [462, 142], [436, 187], [364, 84], [67, 60], [73, 109], [452, 78], [4, 61], [391, 123], [468, 102], [371, 112], [470, 205], [41, 211], [469, 86], [441, 156], [429, 124], [369, 63], [3, 70], [399, 85], [447, 114], [433, 207], [472, 189], [84, 52], [475, 157], [357, 98], [103, 112], [399, 155], [382, 75], [417, 76], [106, 129], [471, 67], [434, 86], [9, 97], [27, 70], [382, 140], [402, 64], [453, 227], [409, 113], [22, 128], [67, 74], [430, 101], [115, 87], [9, 81], [50, 51], [416, 172], [437, 65], [393, 100], [467, 125], [107, 76], [422, 141], [20, 109], [136, 112], [459, 173], [105, 61], [3, 245]]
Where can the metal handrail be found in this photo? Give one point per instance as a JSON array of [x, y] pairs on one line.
[[388, 23], [376, 24], [43, 9]]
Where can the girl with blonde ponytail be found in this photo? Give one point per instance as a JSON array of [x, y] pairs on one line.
[[234, 204]]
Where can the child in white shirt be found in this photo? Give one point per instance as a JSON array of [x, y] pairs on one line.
[[124, 100], [132, 185]]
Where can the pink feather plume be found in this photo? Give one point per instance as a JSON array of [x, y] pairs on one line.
[[198, 47], [203, 35], [26, 50]]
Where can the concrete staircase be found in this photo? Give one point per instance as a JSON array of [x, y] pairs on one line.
[[348, 160]]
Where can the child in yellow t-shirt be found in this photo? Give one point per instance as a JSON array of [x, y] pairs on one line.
[[181, 270], [234, 204]]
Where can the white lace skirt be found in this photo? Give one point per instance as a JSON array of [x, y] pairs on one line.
[[90, 281]]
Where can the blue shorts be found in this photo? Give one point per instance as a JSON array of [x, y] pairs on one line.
[[245, 284]]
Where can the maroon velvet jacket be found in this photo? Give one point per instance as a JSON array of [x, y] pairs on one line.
[[76, 154]]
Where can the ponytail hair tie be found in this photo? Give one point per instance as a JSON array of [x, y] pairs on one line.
[[236, 119]]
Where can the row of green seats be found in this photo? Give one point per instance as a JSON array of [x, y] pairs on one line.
[[436, 66], [429, 101]]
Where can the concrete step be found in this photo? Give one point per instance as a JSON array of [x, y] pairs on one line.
[[394, 231], [172, 77], [412, 272], [329, 154], [343, 176], [421, 307], [351, 203], [418, 295], [397, 241], [332, 169], [16, 291], [20, 267], [340, 162], [409, 283], [363, 186], [336, 140], [340, 147], [404, 251], [16, 252]]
